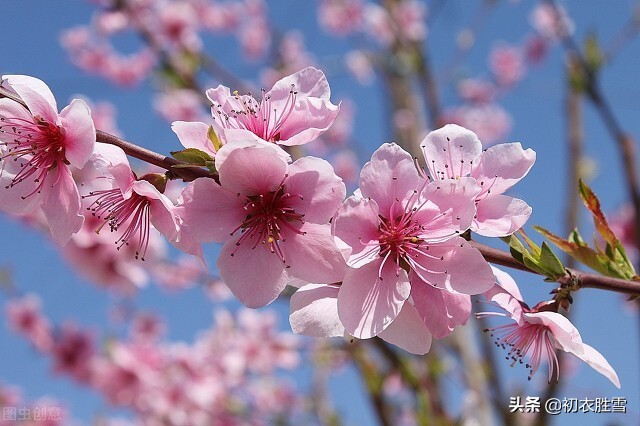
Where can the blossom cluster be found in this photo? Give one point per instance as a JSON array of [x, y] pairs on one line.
[[231, 373], [391, 261]]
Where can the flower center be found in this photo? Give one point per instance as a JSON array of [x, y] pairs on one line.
[[532, 340], [261, 118], [268, 215], [132, 212], [38, 147]]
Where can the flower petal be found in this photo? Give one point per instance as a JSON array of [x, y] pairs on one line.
[[451, 152], [355, 226], [368, 303], [566, 335], [310, 118], [308, 82], [408, 332], [36, 95], [254, 274], [389, 177], [62, 205], [502, 166], [316, 190], [454, 265], [440, 310], [210, 212], [251, 170], [314, 311], [500, 215], [312, 255], [80, 132], [241, 138], [111, 160], [596, 361], [448, 209], [14, 199], [194, 135]]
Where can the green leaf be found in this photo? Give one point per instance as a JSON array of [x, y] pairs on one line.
[[586, 255], [192, 156], [211, 165], [550, 262]]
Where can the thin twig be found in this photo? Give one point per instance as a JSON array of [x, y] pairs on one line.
[[575, 278]]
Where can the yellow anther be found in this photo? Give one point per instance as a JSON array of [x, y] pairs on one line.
[[414, 239], [270, 240]]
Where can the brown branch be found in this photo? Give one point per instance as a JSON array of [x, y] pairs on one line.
[[574, 277], [151, 157]]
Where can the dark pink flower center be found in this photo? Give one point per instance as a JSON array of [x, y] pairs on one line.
[[402, 239], [532, 340], [260, 118], [131, 213], [268, 215], [38, 146]]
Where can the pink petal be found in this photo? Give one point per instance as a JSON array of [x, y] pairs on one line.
[[80, 132], [455, 266], [251, 170], [221, 95], [440, 310], [408, 332], [566, 335], [316, 190], [314, 311], [367, 304], [241, 138], [210, 212], [506, 295], [310, 119], [111, 160], [194, 135], [308, 82], [163, 217], [507, 282], [313, 256], [449, 208], [596, 361], [356, 226], [451, 152], [36, 94], [62, 205], [502, 166], [12, 199], [390, 175], [253, 274], [12, 109], [500, 215]]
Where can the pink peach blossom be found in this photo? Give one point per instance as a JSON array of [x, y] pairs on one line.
[[400, 238], [24, 317], [454, 152], [295, 111], [132, 204], [537, 333], [340, 17], [273, 218], [36, 146], [490, 121], [507, 64]]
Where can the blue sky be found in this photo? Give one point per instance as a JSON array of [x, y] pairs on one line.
[[30, 46]]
